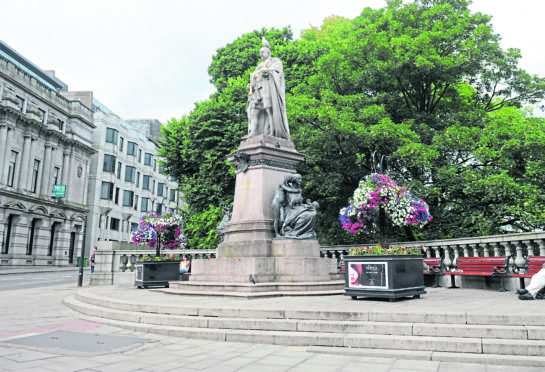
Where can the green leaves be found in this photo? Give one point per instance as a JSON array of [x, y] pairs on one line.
[[424, 84]]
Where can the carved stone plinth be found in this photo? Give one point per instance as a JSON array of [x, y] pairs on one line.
[[250, 231], [279, 266]]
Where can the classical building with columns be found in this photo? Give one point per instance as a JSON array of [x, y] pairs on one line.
[[125, 181], [45, 141]]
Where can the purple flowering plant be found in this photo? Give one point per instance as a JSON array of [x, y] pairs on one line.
[[377, 190], [165, 229]]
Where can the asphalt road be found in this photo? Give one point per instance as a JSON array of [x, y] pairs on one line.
[[15, 281]]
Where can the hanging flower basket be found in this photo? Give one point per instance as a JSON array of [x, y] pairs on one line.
[[154, 229], [377, 191]]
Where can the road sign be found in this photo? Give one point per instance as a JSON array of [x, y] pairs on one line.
[[59, 191]]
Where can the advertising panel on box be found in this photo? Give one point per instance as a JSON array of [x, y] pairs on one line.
[[370, 274]]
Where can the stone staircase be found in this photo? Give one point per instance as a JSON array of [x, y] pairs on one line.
[[455, 337]]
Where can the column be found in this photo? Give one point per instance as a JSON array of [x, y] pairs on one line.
[[466, 249], [3, 138], [86, 183], [520, 262], [45, 189], [23, 165], [447, 261], [486, 250], [475, 249], [541, 243], [497, 248], [507, 246], [65, 167], [6, 150]]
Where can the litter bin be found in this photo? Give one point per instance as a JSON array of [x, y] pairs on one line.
[[85, 261]]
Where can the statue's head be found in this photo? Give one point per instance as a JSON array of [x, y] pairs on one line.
[[264, 53]]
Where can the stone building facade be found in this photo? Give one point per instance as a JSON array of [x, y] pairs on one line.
[[50, 136], [45, 140], [126, 180]]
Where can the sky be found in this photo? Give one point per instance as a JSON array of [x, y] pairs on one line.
[[149, 58]]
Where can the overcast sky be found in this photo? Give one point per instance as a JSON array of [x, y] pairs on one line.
[[149, 58]]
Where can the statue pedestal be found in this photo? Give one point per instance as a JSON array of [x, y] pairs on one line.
[[248, 246]]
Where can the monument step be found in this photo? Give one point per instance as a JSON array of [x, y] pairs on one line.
[[324, 326], [439, 356], [258, 290], [321, 333], [532, 323]]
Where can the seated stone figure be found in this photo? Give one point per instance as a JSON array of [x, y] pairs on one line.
[[293, 219], [536, 288]]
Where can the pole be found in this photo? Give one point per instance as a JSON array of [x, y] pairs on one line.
[[80, 274], [382, 213], [158, 246]]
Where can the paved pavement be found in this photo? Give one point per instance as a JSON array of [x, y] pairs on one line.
[[38, 333]]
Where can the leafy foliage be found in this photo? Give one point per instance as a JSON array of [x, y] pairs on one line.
[[424, 84]]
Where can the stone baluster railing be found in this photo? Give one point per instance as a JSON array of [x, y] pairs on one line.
[[512, 245]]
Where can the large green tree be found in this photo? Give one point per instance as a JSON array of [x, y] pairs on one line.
[[424, 84]]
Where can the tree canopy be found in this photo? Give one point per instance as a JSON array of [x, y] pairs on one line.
[[424, 84]]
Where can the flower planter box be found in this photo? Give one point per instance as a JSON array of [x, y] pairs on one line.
[[156, 273], [387, 276]]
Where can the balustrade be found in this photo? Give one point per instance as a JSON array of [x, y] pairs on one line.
[[517, 246]]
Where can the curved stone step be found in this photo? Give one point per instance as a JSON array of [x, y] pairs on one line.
[[300, 333]]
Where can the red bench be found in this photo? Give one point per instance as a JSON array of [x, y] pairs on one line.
[[535, 263], [481, 266], [434, 268]]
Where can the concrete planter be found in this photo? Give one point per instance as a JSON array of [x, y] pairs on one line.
[[156, 273], [388, 276]]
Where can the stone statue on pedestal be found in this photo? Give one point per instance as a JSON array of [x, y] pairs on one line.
[[293, 218], [267, 98]]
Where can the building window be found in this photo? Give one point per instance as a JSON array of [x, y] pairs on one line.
[[131, 148], [136, 202], [144, 205], [139, 156], [107, 191], [155, 166], [61, 125], [145, 182], [159, 209], [53, 237], [147, 158], [121, 142], [129, 173], [11, 167], [161, 189], [35, 170], [114, 224], [137, 179], [111, 135], [128, 197], [134, 226], [116, 199], [7, 234], [20, 103], [109, 163], [153, 186], [118, 173], [172, 195], [41, 115], [56, 175], [32, 236]]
